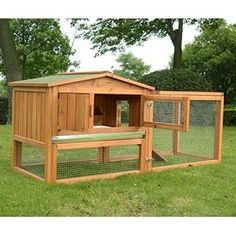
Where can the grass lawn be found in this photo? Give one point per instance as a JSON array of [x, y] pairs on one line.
[[196, 191]]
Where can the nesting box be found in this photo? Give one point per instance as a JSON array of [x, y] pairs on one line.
[[80, 126]]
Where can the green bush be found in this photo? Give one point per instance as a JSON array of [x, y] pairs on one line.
[[177, 80], [3, 110], [230, 115]]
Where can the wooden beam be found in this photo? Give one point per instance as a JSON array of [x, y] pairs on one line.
[[27, 173], [157, 155], [184, 165], [66, 146], [96, 177], [29, 141], [219, 129]]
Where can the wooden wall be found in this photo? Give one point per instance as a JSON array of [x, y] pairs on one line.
[[73, 112], [29, 114]]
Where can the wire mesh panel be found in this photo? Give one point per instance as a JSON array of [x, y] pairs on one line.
[[169, 112], [197, 144], [95, 161], [32, 160]]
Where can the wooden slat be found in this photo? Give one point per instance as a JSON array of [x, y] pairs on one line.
[[27, 173], [184, 165], [21, 101], [64, 146], [38, 115], [29, 141], [94, 177], [16, 105], [71, 112], [134, 111], [163, 125], [32, 90], [29, 115], [102, 130], [176, 120], [43, 118], [25, 115], [63, 111], [82, 112], [34, 115]]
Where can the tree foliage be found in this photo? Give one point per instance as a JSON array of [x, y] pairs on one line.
[[131, 67], [41, 47], [176, 80], [115, 34], [213, 54]]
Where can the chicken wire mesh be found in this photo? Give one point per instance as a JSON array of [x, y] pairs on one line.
[[197, 144], [169, 112], [95, 161], [32, 160]]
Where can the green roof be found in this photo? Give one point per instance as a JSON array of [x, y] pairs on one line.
[[54, 78]]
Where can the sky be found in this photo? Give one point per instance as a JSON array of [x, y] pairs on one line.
[[155, 52]]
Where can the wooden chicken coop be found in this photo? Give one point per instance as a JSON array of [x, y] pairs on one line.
[[73, 127]]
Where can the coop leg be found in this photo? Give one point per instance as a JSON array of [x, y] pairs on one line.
[[51, 164], [16, 154]]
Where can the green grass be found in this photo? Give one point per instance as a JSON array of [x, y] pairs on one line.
[[195, 191]]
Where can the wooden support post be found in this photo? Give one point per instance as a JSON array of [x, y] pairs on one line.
[[49, 127], [219, 129], [105, 154], [16, 154], [175, 133], [142, 156]]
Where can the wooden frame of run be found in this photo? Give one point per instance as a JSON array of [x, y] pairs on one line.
[[38, 115]]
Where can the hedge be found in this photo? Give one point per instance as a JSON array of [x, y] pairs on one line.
[[3, 110], [230, 115], [177, 80]]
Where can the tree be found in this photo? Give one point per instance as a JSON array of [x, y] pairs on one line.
[[213, 54], [32, 48], [131, 66], [115, 34], [9, 58], [42, 48]]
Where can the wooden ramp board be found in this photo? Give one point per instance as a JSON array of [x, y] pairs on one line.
[[158, 156], [97, 137]]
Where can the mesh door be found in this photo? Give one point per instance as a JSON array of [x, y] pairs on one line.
[[197, 144]]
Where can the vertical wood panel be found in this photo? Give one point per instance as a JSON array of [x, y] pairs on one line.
[[25, 115], [29, 115], [38, 115], [63, 100], [43, 117], [82, 112], [21, 104], [16, 112], [55, 111], [71, 112], [134, 111], [34, 115]]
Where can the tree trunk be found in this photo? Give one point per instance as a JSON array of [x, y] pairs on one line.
[[178, 46], [176, 38], [10, 59]]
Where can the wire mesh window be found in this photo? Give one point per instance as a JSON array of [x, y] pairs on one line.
[[95, 161], [197, 144], [169, 112], [32, 160]]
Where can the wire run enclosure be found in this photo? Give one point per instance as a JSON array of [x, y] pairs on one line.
[[74, 127]]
